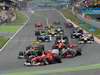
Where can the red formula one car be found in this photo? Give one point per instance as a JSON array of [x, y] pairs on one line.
[[60, 44], [46, 58], [39, 26], [71, 51]]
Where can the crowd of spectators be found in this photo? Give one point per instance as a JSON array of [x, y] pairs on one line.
[[7, 14]]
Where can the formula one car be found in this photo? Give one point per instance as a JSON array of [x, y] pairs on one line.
[[60, 42], [44, 38], [86, 38], [68, 51], [46, 58], [71, 51], [68, 25], [59, 31], [37, 25], [63, 39], [60, 45], [76, 33], [31, 51], [55, 31], [52, 32]]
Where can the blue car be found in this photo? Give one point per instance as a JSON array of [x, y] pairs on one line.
[[44, 38]]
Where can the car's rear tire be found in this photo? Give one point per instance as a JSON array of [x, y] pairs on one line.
[[37, 33], [58, 59], [21, 53]]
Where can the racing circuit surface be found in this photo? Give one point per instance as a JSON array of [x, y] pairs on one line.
[[8, 57]]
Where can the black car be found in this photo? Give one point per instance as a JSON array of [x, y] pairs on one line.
[[76, 33], [44, 38], [31, 51]]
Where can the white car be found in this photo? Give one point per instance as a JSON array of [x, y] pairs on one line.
[[86, 38]]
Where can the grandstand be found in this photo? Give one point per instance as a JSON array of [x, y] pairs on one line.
[[6, 12]]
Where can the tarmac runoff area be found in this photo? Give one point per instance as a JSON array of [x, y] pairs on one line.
[[9, 61]]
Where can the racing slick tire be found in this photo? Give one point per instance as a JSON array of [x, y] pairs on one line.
[[21, 55], [45, 61], [40, 40], [78, 53], [28, 63], [58, 59], [28, 47], [37, 33]]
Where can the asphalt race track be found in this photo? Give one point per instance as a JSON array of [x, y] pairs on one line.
[[8, 57]]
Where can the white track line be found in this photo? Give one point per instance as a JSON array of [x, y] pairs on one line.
[[96, 39], [15, 33]]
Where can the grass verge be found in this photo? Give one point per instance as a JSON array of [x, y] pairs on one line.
[[68, 14], [3, 40], [8, 28]]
